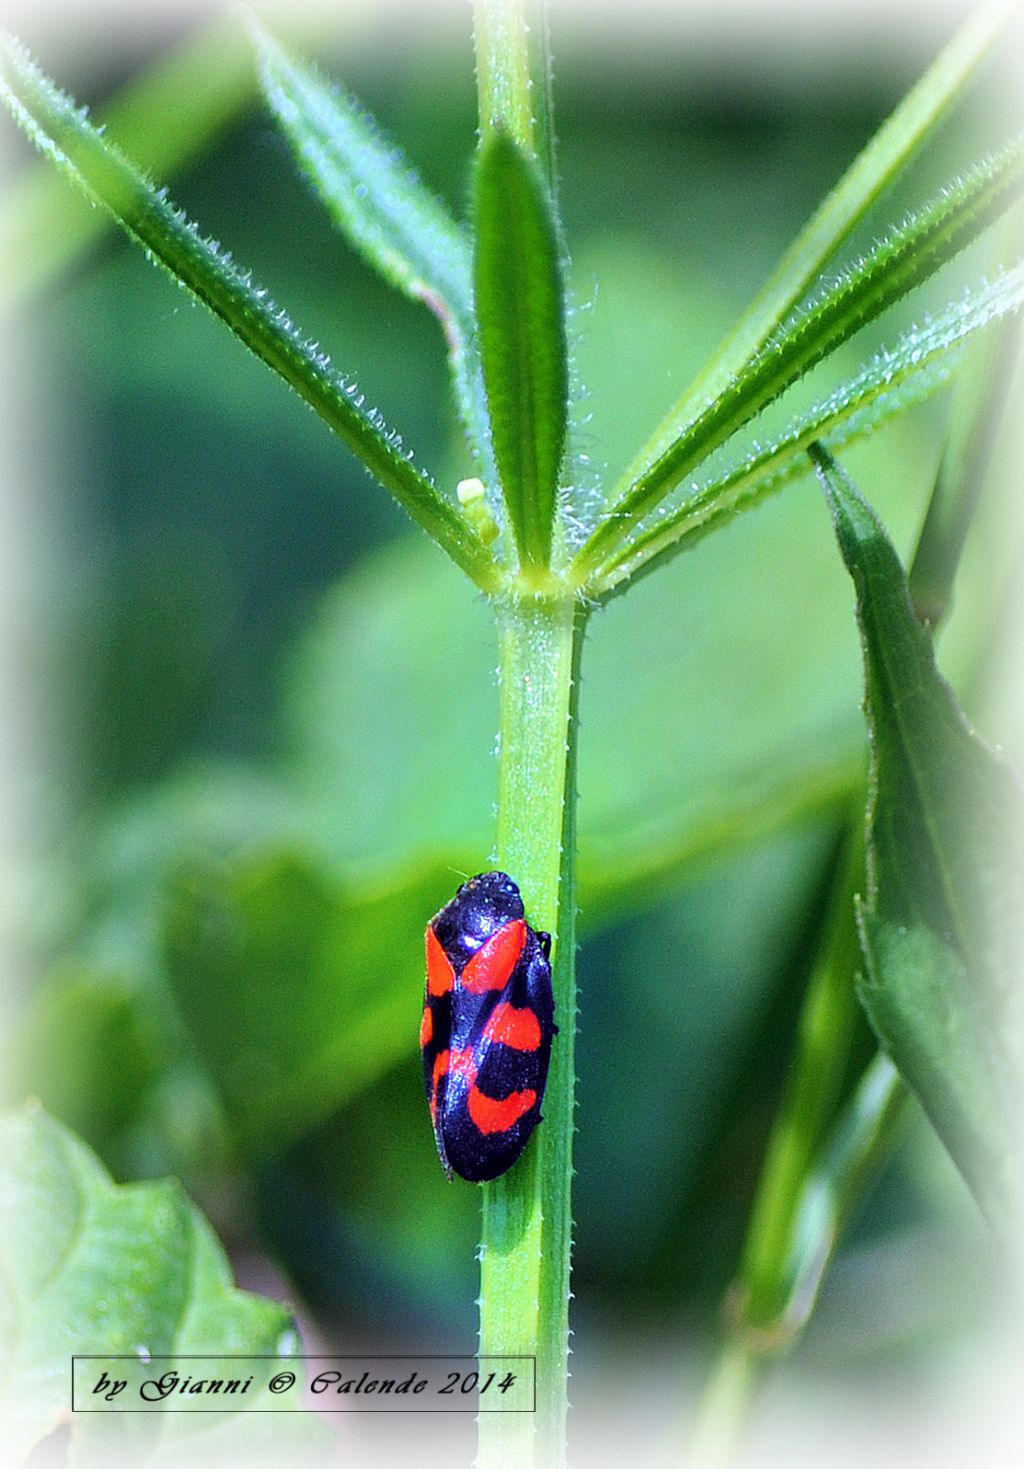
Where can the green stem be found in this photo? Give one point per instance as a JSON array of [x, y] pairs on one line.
[[527, 1220], [768, 1303], [514, 75], [823, 1042], [977, 415], [723, 1408], [861, 1138]]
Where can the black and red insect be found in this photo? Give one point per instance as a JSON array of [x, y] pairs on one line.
[[488, 1021]]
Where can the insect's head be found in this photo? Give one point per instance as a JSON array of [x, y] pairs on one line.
[[479, 909]]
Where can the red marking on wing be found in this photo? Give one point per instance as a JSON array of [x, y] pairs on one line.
[[440, 974], [492, 965], [426, 1027], [519, 1029], [491, 1115], [454, 1063], [463, 1063], [440, 1070]]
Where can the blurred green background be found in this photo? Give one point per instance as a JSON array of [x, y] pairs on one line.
[[266, 707]]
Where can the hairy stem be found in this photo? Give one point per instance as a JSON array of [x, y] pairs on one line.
[[514, 75], [527, 1220]]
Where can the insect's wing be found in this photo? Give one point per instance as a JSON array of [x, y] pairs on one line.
[[435, 1036], [495, 1091]]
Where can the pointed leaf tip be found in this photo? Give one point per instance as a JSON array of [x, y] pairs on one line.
[[856, 524]]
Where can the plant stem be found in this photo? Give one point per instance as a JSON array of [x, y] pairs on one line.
[[823, 1042], [768, 1302], [977, 415], [723, 1407], [527, 1220], [860, 1139], [514, 75]]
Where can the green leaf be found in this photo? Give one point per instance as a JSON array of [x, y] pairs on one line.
[[295, 993], [912, 253], [367, 185], [890, 382], [88, 1266], [172, 111], [520, 313], [887, 154], [383, 209], [941, 925], [61, 132]]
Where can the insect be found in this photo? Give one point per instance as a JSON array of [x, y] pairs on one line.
[[488, 1021]]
